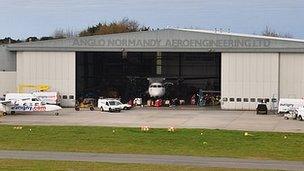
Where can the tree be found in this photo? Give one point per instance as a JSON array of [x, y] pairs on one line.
[[268, 31], [8, 40], [61, 33], [31, 39], [122, 26]]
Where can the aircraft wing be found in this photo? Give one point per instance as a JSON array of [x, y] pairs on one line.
[[5, 103]]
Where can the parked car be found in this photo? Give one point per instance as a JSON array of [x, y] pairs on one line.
[[108, 105], [123, 106], [262, 109]]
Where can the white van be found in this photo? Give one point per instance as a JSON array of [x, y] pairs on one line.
[[285, 105], [48, 97], [109, 105]]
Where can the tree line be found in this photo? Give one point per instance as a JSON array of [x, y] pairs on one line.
[[122, 26]]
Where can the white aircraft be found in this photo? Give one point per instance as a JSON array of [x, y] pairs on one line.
[[23, 102], [156, 90]]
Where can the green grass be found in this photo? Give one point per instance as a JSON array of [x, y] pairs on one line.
[[220, 143], [12, 165]]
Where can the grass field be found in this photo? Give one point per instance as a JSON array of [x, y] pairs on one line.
[[10, 165], [194, 142]]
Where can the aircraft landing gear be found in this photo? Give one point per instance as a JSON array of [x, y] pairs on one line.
[[4, 113]]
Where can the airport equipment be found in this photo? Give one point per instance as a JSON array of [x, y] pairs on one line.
[[87, 103], [22, 88]]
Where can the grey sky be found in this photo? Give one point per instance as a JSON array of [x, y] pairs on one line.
[[24, 18]]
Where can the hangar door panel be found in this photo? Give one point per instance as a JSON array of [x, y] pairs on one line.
[[8, 85], [247, 78], [291, 75], [55, 69]]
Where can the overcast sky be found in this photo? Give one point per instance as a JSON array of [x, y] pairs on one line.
[[24, 18]]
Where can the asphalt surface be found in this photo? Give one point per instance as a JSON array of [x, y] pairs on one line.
[[154, 159], [162, 118]]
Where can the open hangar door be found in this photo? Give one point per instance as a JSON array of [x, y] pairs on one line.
[[124, 74], [113, 74], [191, 73]]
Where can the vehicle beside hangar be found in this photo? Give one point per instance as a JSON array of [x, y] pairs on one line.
[[244, 69]]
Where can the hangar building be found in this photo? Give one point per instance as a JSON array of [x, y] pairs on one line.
[[242, 69]]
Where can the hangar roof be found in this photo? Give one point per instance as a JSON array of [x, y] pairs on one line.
[[167, 40]]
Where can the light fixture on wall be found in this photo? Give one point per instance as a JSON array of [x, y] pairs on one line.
[[124, 53]]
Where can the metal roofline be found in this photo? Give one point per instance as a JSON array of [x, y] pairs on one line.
[[238, 34]]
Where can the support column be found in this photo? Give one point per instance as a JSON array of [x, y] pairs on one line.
[[158, 63]]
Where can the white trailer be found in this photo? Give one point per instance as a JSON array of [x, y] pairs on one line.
[[48, 97], [285, 105]]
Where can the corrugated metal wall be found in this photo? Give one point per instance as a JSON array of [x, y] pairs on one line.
[[56, 69], [248, 77], [7, 59], [292, 75], [7, 83]]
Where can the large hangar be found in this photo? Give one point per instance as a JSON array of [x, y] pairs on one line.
[[242, 69]]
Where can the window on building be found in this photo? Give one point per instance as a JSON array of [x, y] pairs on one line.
[[274, 100], [64, 97], [225, 99], [71, 97], [231, 99], [252, 100], [238, 99], [246, 100]]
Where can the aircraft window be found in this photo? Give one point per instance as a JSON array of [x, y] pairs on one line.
[[246, 100], [231, 99], [159, 86], [239, 99], [71, 97], [252, 100]]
